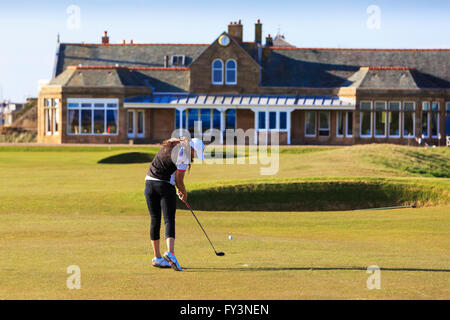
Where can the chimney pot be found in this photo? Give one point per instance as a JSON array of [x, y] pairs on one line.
[[269, 41], [236, 30], [105, 38], [258, 32]]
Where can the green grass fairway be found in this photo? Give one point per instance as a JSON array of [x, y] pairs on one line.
[[61, 207]]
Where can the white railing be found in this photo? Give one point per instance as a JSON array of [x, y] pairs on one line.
[[448, 141]]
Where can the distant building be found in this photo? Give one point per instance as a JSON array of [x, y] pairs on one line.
[[8, 112], [2, 110], [108, 92]]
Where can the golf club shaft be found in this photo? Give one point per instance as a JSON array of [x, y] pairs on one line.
[[387, 208], [192, 211]]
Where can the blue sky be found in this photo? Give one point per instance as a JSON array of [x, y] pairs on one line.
[[29, 28]]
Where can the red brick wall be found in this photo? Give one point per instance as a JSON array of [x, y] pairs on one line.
[[162, 124], [245, 119]]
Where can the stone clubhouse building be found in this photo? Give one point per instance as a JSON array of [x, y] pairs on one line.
[[133, 92]]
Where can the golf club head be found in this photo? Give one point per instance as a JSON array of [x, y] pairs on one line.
[[220, 254]]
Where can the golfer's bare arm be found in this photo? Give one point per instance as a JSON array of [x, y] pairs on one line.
[[179, 181]]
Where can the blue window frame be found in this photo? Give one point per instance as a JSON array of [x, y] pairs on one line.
[[205, 116], [283, 120], [231, 72], [272, 120], [261, 120], [216, 119], [217, 72], [230, 119]]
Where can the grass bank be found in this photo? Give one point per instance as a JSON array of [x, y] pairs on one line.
[[318, 194]]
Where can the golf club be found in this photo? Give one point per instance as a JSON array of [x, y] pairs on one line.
[[219, 254]]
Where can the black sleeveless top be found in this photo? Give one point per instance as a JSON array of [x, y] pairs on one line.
[[162, 166]]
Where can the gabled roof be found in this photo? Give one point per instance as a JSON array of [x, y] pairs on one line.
[[328, 68], [164, 79], [282, 66], [129, 55], [280, 41], [247, 48]]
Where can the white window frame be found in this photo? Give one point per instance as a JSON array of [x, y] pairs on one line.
[[235, 72], [56, 122], [48, 121], [257, 123], [278, 111], [277, 120], [315, 125], [431, 116], [344, 123], [92, 102], [427, 112], [329, 124], [140, 135], [403, 119], [446, 114], [375, 119], [371, 120], [214, 69], [47, 116], [133, 133], [399, 119], [225, 118], [185, 124], [183, 60]]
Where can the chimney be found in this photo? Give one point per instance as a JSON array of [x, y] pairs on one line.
[[269, 41], [131, 42], [105, 38], [258, 32], [235, 30]]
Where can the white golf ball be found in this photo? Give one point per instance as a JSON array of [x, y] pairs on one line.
[[230, 237]]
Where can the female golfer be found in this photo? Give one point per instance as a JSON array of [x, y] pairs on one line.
[[167, 171]]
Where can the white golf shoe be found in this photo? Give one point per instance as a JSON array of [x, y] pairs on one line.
[[170, 258], [160, 263]]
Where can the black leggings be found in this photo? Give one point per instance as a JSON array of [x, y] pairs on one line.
[[161, 195]]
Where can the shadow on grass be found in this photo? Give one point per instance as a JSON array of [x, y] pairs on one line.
[[129, 157], [240, 269]]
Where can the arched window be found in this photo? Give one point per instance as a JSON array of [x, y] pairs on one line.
[[217, 72], [231, 72]]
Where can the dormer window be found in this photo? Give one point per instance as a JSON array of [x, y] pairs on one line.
[[177, 61], [217, 72], [231, 72]]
